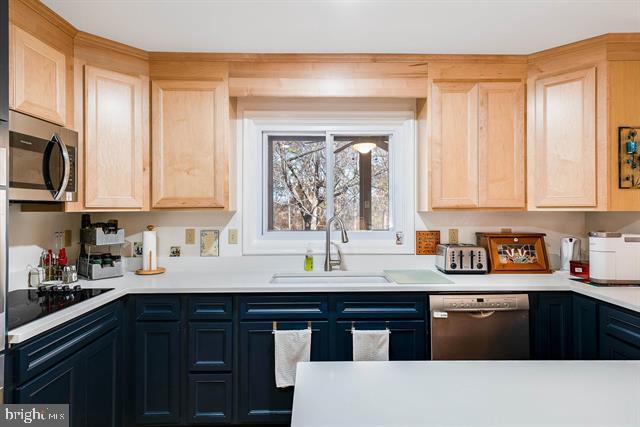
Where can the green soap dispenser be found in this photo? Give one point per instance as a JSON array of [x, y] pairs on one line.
[[308, 258]]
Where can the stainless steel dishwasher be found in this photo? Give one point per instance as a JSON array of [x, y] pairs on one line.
[[479, 327]]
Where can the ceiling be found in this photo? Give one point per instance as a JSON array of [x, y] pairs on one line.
[[343, 26]]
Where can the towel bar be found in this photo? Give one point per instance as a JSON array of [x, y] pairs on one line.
[[353, 327], [274, 326]]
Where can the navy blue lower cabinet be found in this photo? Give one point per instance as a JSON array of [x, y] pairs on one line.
[[62, 384], [552, 319], [209, 398], [585, 328], [103, 362], [406, 342], [259, 399], [619, 334], [614, 349], [157, 372], [210, 346], [81, 364]]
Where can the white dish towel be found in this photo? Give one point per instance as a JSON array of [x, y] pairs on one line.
[[291, 347], [370, 345]]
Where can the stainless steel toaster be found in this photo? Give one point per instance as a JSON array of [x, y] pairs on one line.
[[461, 259]]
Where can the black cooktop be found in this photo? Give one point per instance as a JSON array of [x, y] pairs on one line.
[[27, 305]]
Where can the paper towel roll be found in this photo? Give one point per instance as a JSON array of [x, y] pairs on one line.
[[149, 249]]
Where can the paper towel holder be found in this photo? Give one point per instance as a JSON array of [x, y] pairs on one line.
[[158, 270]]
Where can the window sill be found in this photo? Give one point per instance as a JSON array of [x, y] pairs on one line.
[[363, 247]]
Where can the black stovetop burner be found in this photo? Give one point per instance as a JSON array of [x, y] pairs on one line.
[[27, 305]]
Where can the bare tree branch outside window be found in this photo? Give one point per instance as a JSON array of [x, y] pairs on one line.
[[298, 170]]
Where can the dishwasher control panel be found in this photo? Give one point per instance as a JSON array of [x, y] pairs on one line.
[[479, 302]]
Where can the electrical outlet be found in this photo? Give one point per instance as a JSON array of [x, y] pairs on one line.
[[190, 236], [233, 236], [68, 236], [453, 236]]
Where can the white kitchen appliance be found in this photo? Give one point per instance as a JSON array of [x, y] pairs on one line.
[[614, 258], [569, 251]]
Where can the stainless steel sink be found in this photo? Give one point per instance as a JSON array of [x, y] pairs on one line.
[[330, 278]]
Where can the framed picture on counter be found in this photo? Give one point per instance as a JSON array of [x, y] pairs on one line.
[[515, 252]]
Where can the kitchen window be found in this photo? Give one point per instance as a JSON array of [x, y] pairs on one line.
[[300, 168], [314, 177]]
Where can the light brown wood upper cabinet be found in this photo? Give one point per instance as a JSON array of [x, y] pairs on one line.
[[477, 145], [114, 140], [454, 145], [37, 77], [189, 131], [565, 140], [501, 158]]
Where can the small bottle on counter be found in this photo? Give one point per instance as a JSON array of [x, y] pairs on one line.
[[308, 259]]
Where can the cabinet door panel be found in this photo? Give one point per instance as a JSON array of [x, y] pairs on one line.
[[209, 399], [113, 140], [62, 384], [619, 333], [37, 77], [565, 140], [210, 346], [501, 163], [553, 321], [614, 349], [103, 368], [189, 144], [260, 400], [157, 375], [406, 342], [454, 145], [585, 328]]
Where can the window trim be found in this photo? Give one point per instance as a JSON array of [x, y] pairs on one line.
[[256, 124]]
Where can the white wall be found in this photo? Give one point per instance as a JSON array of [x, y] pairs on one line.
[[624, 222], [554, 224], [31, 232]]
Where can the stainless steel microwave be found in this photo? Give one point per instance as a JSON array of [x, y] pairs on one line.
[[42, 160]]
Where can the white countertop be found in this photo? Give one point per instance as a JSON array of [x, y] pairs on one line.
[[207, 281], [479, 394]]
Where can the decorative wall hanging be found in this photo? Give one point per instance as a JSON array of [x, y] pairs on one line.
[[209, 242], [628, 158], [426, 242]]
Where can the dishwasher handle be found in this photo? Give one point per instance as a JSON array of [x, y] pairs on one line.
[[480, 314], [471, 313]]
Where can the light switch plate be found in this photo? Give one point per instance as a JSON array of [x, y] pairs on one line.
[[190, 236], [233, 236], [453, 236]]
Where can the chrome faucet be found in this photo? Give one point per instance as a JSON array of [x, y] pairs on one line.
[[329, 263]]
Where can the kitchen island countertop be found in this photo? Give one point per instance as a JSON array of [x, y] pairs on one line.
[[475, 393], [206, 281]]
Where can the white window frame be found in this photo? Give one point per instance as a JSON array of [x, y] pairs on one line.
[[257, 124]]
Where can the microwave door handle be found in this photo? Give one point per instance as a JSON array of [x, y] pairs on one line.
[[57, 194]]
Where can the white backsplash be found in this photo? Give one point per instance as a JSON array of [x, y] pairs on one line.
[[622, 222], [31, 232]]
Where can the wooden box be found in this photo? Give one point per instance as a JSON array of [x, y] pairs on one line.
[[511, 253]]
